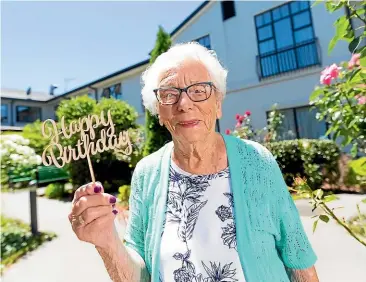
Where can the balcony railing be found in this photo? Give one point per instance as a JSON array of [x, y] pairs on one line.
[[301, 56]]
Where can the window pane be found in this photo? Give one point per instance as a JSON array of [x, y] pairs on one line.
[[301, 19], [269, 65], [205, 41], [267, 18], [265, 32], [28, 114], [259, 20], [304, 5], [304, 34], [308, 125], [288, 129], [4, 113], [283, 33], [307, 55], [276, 14], [266, 47], [285, 11], [287, 60], [295, 7]]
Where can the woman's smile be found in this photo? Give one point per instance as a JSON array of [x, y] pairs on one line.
[[188, 123]]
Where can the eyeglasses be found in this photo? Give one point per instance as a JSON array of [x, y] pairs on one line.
[[197, 92]]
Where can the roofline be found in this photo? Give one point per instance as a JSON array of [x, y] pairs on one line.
[[101, 79], [195, 12], [27, 100]]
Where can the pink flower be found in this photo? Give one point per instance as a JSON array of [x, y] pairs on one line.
[[248, 113], [328, 74], [237, 116], [241, 119], [227, 131], [238, 124], [355, 61], [361, 100]]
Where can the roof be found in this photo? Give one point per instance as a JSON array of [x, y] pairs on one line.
[[102, 78], [22, 95]]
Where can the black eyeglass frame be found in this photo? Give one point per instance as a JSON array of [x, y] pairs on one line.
[[181, 90]]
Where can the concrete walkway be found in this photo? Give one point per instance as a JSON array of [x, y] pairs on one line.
[[66, 259]]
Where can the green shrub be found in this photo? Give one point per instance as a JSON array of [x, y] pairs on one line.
[[108, 169], [17, 240], [356, 174], [124, 194], [317, 160], [55, 191], [33, 132]]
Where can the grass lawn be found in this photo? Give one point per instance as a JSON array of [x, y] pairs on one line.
[[17, 240]]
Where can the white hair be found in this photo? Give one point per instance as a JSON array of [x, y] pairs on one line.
[[173, 58]]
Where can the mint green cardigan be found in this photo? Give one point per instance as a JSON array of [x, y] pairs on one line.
[[269, 232]]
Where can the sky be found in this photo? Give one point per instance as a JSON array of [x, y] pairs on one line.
[[44, 43]]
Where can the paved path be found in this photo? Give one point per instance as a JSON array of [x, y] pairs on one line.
[[65, 259]]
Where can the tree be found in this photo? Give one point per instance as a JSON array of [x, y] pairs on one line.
[[156, 135]]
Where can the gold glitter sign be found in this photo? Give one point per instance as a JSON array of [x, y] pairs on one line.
[[87, 145]]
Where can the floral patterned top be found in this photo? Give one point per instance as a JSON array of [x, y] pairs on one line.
[[198, 240]]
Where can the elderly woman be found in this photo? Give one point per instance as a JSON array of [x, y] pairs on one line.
[[206, 206]]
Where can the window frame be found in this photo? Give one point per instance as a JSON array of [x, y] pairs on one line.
[[294, 46], [7, 114], [202, 37], [17, 110], [297, 132], [114, 95]]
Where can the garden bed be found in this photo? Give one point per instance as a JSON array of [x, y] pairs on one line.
[[17, 240]]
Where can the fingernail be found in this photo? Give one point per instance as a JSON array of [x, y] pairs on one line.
[[112, 200], [115, 211], [97, 189]]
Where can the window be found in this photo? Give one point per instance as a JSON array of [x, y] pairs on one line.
[[286, 39], [301, 122], [228, 9], [113, 91], [28, 114], [4, 114], [204, 41]]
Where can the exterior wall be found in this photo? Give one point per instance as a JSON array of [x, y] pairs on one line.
[[235, 43], [288, 93], [12, 115]]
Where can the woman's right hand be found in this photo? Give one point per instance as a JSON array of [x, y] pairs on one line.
[[92, 215]]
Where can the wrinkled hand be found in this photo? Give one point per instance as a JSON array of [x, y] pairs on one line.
[[92, 215]]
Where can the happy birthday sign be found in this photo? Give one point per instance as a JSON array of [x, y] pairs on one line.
[[87, 145]]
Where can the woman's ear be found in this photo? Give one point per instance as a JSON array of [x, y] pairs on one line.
[[218, 108]]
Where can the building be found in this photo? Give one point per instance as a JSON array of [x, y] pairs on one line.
[[274, 51]]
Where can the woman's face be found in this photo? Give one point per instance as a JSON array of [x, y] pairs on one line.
[[187, 120]]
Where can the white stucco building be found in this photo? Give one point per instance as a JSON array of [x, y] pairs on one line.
[[274, 51]]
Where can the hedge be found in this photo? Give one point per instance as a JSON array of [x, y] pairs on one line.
[[316, 160]]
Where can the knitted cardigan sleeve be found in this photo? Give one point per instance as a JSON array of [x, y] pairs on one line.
[[134, 234], [293, 244]]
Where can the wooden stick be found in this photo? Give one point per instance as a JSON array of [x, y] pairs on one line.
[[91, 169]]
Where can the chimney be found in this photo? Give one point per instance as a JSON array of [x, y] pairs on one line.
[[52, 89]]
